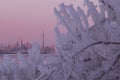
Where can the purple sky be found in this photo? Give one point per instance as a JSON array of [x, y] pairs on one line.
[[26, 19]]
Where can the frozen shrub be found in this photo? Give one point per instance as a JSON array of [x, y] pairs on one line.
[[89, 52], [86, 52]]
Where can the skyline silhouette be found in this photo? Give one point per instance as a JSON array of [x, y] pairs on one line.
[[26, 19]]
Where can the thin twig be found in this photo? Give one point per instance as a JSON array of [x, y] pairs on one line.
[[50, 74]]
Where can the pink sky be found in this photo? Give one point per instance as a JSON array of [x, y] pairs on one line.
[[25, 20]]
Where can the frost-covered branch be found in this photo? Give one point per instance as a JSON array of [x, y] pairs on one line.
[[101, 72], [97, 43], [96, 46]]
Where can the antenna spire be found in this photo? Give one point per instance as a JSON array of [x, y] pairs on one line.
[[43, 36]]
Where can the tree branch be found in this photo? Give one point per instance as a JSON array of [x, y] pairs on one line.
[[96, 43], [111, 67]]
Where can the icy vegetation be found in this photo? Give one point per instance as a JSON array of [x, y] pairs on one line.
[[84, 52], [89, 52]]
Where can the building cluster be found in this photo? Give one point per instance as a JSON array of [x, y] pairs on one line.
[[47, 50], [18, 46]]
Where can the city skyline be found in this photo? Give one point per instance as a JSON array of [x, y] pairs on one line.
[[26, 19]]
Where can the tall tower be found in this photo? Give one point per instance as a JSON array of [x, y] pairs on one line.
[[21, 44], [43, 42]]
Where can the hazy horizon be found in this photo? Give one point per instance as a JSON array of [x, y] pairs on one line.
[[26, 19]]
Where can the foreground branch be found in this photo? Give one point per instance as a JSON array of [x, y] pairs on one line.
[[96, 43], [104, 72]]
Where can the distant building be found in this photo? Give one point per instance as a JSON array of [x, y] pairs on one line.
[[48, 50], [13, 48]]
